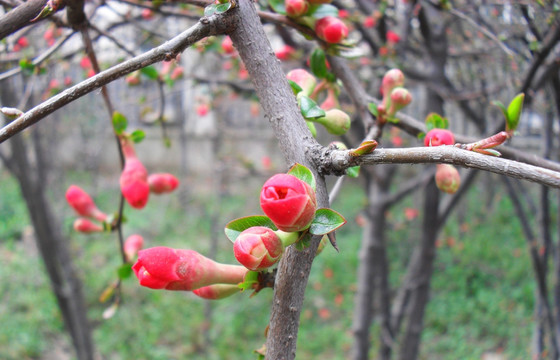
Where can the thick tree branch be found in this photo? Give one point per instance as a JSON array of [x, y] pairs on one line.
[[20, 17]]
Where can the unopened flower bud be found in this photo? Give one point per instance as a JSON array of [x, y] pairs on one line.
[[178, 269], [216, 291], [289, 202], [331, 29], [132, 245], [258, 248], [162, 183], [285, 53], [304, 79], [83, 204], [227, 45], [84, 225], [134, 183], [392, 79], [447, 178], [296, 8], [400, 97], [437, 137], [336, 121], [331, 101]]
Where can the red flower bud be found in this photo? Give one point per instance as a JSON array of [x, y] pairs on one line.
[[285, 53], [437, 137], [304, 79], [132, 245], [83, 204], [178, 269], [296, 8], [400, 97], [392, 79], [162, 183], [85, 62], [289, 202], [147, 14], [23, 42], [393, 37], [227, 45], [447, 178], [258, 248], [86, 226], [177, 73], [331, 29], [134, 183], [216, 291]]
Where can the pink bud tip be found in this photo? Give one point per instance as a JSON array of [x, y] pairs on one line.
[[134, 183], [162, 183], [331, 29], [258, 248], [289, 202], [83, 204], [84, 225], [296, 8], [132, 245], [437, 137]]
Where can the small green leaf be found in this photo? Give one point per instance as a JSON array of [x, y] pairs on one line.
[[353, 171], [326, 221], [304, 242], [278, 6], [309, 108], [436, 121], [222, 8], [210, 9], [252, 277], [303, 173], [373, 109], [124, 271], [150, 72], [26, 65], [119, 122], [502, 107], [514, 112], [421, 135], [319, 63], [365, 148], [392, 119], [137, 136], [322, 10], [295, 87], [237, 226]]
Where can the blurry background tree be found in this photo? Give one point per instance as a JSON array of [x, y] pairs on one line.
[[201, 99]]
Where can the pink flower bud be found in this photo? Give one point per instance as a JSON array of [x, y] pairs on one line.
[[437, 137], [147, 14], [447, 178], [84, 225], [369, 22], [296, 8], [162, 183], [289, 202], [85, 63], [400, 97], [331, 29], [134, 183], [83, 204], [258, 248], [393, 37], [177, 73], [132, 79], [392, 79], [216, 291], [285, 53], [178, 269], [331, 100], [335, 121], [304, 79], [23, 42], [132, 245], [227, 45]]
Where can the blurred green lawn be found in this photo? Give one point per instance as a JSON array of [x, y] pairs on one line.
[[482, 296]]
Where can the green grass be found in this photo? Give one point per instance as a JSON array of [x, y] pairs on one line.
[[482, 290]]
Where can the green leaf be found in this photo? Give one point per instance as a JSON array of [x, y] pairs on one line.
[[514, 112], [237, 226], [322, 10], [309, 108], [502, 107], [278, 6], [222, 8], [252, 277], [124, 271], [421, 135], [26, 65], [119, 122], [392, 119], [303, 173], [372, 107], [319, 63], [365, 148], [353, 171], [436, 121], [210, 9], [295, 87], [150, 72], [137, 136], [304, 242], [326, 221]]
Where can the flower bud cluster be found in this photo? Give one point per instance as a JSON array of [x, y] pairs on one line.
[[335, 121], [447, 177], [395, 96]]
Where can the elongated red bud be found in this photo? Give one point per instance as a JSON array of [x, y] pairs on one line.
[[84, 225], [217, 291], [83, 204], [161, 183], [134, 183], [132, 245]]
